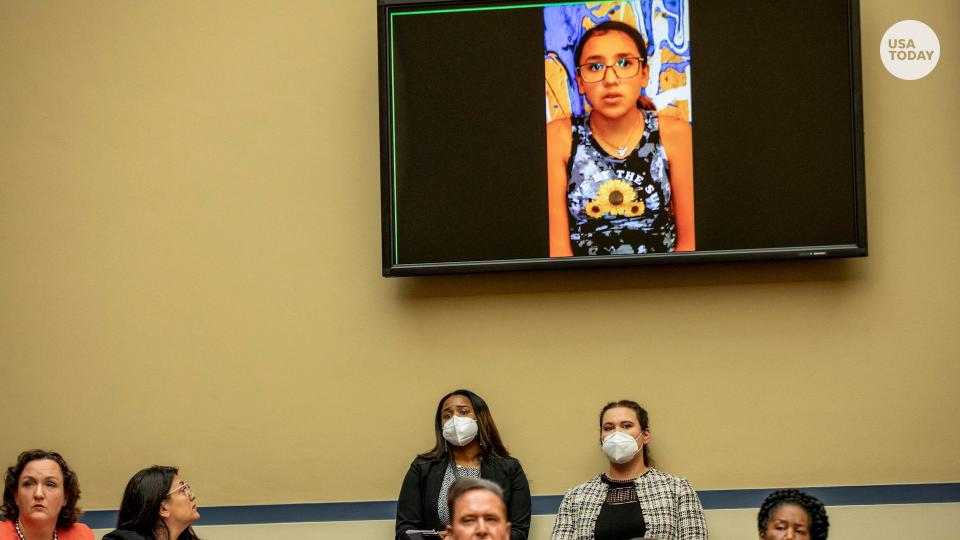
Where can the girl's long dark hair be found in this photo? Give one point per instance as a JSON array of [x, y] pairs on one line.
[[140, 508], [490, 444]]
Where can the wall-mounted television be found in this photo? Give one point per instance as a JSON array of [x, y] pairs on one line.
[[518, 135]]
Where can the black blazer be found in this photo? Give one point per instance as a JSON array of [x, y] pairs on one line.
[[133, 535], [417, 504], [126, 535]]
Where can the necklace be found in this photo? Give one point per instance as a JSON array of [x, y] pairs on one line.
[[621, 148], [20, 531]]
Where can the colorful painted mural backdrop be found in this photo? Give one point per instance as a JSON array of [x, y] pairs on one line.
[[665, 26]]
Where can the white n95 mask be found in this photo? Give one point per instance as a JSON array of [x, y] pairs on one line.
[[620, 447], [460, 430]]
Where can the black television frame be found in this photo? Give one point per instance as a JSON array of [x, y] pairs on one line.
[[392, 269]]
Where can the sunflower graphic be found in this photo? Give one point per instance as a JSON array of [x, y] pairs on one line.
[[616, 196], [594, 209], [636, 208]]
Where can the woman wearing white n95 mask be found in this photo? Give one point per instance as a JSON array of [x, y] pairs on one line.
[[467, 445], [632, 499]]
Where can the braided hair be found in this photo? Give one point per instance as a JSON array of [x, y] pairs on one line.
[[819, 524]]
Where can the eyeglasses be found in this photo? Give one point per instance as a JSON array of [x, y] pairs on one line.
[[623, 68], [184, 487]]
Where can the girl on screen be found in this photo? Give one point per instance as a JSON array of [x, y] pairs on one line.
[[467, 444], [620, 177], [631, 499]]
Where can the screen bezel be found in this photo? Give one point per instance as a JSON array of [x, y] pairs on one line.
[[391, 268]]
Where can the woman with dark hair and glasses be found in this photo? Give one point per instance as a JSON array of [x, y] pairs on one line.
[[632, 499], [620, 177], [157, 505], [467, 445], [789, 514], [40, 495]]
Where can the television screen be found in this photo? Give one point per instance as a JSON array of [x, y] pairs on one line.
[[533, 135]]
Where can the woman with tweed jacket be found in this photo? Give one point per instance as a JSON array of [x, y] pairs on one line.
[[632, 499]]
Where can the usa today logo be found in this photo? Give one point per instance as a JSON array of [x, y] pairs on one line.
[[910, 50]]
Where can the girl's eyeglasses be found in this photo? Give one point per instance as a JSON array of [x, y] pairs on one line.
[[623, 68]]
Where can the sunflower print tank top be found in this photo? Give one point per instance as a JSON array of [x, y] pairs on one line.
[[619, 206]]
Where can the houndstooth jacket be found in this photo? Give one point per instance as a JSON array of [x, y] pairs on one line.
[[671, 509]]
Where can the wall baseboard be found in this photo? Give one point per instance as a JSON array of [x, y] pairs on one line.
[[721, 499]]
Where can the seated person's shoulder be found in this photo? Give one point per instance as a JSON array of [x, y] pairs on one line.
[[77, 531], [677, 483], [124, 535], [505, 462], [581, 490], [422, 464]]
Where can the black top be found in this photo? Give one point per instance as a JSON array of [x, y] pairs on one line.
[[621, 517], [619, 205], [417, 504]]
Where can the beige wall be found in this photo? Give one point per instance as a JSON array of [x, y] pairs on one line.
[[189, 274]]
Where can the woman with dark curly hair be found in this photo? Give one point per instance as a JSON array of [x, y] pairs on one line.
[[789, 514], [157, 505], [40, 495]]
